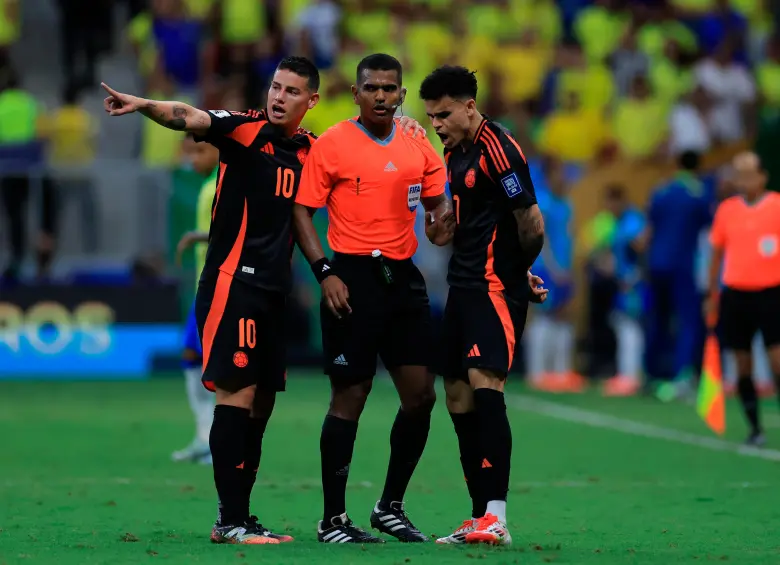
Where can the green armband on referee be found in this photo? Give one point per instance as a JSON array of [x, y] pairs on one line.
[[322, 269]]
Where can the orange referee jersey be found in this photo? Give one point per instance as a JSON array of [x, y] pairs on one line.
[[749, 235], [372, 187]]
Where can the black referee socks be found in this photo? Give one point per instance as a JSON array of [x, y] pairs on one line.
[[228, 445], [252, 451], [467, 429], [749, 398], [337, 443], [407, 443], [495, 438]]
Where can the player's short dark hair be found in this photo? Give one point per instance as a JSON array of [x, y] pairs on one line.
[[302, 67], [379, 62], [449, 80], [689, 160]]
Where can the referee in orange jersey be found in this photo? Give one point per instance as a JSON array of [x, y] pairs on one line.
[[372, 178], [745, 238]]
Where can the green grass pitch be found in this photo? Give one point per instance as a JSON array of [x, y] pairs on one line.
[[85, 478]]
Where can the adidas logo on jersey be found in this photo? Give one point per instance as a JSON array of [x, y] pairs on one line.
[[340, 360], [390, 168]]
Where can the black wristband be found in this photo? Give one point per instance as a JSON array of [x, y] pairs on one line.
[[322, 269]]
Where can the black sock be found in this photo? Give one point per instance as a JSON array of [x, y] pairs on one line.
[[252, 452], [466, 428], [336, 445], [495, 438], [747, 395], [407, 443], [228, 442]]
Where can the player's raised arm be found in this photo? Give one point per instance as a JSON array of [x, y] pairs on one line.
[[507, 167], [172, 115]]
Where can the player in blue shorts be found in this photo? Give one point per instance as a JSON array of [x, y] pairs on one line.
[[550, 335], [204, 159]]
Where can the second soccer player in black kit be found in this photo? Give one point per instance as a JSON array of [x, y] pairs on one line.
[[499, 233], [242, 294]]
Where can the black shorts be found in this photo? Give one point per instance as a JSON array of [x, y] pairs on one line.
[[743, 313], [390, 320], [242, 329], [479, 331]]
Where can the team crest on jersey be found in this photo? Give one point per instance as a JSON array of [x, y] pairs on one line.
[[302, 154], [471, 178], [511, 185], [415, 191]]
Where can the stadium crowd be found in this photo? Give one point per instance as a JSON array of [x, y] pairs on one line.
[[582, 84]]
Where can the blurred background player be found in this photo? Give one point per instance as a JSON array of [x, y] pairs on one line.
[[679, 211], [372, 178], [745, 238], [627, 249], [550, 334], [204, 159]]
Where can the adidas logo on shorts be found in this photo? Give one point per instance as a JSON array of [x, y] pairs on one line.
[[340, 360]]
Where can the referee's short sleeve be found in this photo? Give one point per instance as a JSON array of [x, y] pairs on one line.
[[319, 173]]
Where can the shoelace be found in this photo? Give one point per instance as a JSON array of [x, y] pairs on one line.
[[257, 526], [401, 515]]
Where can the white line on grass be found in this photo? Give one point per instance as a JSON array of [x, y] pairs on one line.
[[632, 427]]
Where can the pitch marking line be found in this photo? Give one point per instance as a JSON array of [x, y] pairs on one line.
[[605, 421]]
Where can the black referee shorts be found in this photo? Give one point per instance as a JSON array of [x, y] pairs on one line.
[[743, 313], [392, 320], [479, 331]]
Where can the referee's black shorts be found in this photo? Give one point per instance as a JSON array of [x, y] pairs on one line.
[[390, 320], [743, 313]]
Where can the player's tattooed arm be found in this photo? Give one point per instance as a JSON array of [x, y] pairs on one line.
[[530, 230], [172, 115]]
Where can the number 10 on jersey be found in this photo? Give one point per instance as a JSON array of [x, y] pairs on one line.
[[285, 182]]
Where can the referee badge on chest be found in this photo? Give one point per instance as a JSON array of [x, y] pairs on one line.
[[413, 199], [767, 246]]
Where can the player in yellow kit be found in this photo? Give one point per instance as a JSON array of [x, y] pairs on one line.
[[204, 158]]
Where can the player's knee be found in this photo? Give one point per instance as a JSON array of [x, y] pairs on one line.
[[459, 395], [348, 402], [485, 378], [242, 398], [421, 401]]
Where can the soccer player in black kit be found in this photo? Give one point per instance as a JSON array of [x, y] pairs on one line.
[[241, 300], [499, 233]]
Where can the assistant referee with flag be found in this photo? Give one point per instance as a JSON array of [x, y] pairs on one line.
[[745, 238]]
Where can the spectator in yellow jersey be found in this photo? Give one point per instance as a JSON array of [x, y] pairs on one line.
[[9, 28], [573, 133], [71, 133], [639, 124]]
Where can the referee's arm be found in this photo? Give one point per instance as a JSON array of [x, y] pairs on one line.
[[718, 243], [317, 178]]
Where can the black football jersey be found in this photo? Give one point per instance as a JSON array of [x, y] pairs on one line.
[[489, 179], [251, 216]]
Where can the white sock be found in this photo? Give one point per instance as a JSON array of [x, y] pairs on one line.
[[564, 346], [630, 346], [201, 403], [538, 336], [498, 509]]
